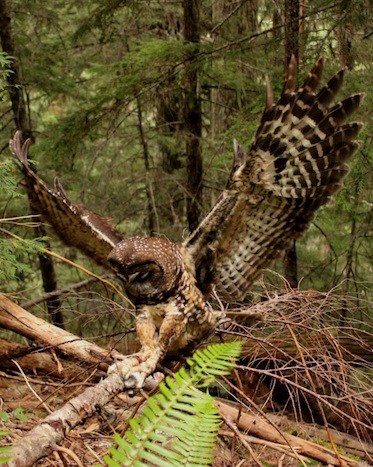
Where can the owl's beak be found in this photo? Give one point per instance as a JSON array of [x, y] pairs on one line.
[[124, 277], [139, 276]]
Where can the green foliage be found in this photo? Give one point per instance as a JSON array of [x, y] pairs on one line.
[[4, 449], [18, 413], [12, 256], [180, 414], [13, 251], [5, 61], [8, 180]]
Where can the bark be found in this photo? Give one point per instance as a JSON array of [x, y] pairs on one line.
[[349, 273], [291, 266], [344, 37], [31, 359], [22, 122], [151, 227], [49, 280], [14, 318], [309, 430], [192, 113], [168, 125], [242, 19], [291, 30], [346, 59], [257, 426], [41, 440], [291, 48], [276, 22], [170, 142], [355, 349]]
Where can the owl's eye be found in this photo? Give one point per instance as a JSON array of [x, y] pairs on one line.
[[143, 272], [119, 268], [139, 276]]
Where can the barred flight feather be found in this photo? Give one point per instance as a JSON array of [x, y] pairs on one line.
[[296, 163], [74, 224]]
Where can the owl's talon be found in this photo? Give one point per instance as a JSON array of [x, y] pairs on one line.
[[123, 367], [133, 370], [135, 380]]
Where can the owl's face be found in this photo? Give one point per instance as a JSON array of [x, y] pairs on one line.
[[150, 268]]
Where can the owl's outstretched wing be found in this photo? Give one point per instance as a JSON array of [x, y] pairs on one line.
[[296, 162], [74, 224]]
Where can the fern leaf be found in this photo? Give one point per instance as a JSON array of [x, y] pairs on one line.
[[180, 414]]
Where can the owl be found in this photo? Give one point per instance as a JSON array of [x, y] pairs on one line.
[[297, 161]]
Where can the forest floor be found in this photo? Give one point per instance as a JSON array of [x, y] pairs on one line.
[[86, 444], [258, 401]]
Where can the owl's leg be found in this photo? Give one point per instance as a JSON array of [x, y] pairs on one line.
[[136, 369], [145, 330], [173, 326], [171, 329]]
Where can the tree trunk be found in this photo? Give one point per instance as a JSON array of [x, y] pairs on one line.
[[22, 122], [276, 23], [168, 125], [291, 30], [344, 37], [346, 59], [256, 425], [291, 48], [151, 227], [192, 114], [224, 100], [16, 319], [291, 266]]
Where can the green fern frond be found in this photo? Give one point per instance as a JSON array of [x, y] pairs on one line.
[[180, 423]]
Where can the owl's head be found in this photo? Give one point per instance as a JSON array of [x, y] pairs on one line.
[[150, 267]]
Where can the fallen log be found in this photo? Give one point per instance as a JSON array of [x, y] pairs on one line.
[[34, 360], [41, 440], [256, 425], [18, 320], [44, 437], [303, 430]]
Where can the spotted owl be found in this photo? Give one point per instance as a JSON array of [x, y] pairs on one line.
[[297, 161]]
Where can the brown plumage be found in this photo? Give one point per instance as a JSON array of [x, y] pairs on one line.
[[74, 224], [296, 163]]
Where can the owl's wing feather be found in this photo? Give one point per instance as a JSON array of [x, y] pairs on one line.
[[296, 163], [74, 224]]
